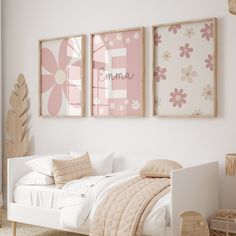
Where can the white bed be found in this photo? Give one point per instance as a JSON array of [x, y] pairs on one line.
[[192, 188], [50, 197]]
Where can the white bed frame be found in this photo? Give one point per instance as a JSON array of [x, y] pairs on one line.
[[192, 188]]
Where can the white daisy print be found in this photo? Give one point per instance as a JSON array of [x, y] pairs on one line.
[[189, 33], [112, 106], [101, 111], [166, 56], [197, 113], [135, 105], [188, 74], [127, 40], [119, 36], [121, 108], [97, 39], [136, 35], [106, 39], [208, 92], [126, 101]]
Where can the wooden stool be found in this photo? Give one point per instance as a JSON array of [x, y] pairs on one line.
[[193, 224]]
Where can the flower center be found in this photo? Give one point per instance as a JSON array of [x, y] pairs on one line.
[[208, 31], [60, 77], [209, 92], [178, 98]]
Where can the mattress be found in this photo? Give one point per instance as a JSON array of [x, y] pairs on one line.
[[48, 196]]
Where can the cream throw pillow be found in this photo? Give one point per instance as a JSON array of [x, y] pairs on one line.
[[159, 168], [67, 170]]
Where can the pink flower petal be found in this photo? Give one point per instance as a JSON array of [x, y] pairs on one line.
[[54, 101], [163, 77], [175, 103], [163, 70], [49, 61], [63, 58], [47, 82]]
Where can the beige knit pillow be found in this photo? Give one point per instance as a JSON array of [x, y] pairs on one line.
[[159, 168], [67, 170]]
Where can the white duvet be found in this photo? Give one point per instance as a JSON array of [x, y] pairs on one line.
[[81, 198]]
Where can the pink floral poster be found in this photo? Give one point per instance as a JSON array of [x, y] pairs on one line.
[[62, 77], [117, 73], [185, 69]]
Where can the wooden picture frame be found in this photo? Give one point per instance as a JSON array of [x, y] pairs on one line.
[[62, 76], [185, 69], [117, 70]]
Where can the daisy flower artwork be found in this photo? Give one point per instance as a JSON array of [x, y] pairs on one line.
[[184, 71], [62, 77]]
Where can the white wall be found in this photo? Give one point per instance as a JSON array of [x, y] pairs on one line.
[[186, 140]]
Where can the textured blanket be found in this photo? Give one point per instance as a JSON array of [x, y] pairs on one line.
[[123, 211]]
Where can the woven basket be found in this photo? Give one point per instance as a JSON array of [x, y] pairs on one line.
[[230, 163], [219, 233], [232, 7], [224, 221]]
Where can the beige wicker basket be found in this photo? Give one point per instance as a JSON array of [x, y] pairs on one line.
[[232, 7]]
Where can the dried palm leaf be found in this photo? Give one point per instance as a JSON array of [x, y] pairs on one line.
[[17, 141]]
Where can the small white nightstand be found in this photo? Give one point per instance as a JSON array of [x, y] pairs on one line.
[[223, 223]]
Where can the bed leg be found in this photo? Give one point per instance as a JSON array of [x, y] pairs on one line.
[[13, 228]]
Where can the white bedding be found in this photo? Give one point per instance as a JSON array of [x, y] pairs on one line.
[[48, 196], [79, 199]]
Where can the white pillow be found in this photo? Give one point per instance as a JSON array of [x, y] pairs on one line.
[[44, 164], [35, 178], [101, 162]]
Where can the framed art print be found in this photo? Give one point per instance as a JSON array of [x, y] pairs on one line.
[[61, 87], [117, 70], [184, 72]]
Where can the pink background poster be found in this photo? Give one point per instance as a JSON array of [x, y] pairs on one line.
[[117, 71]]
